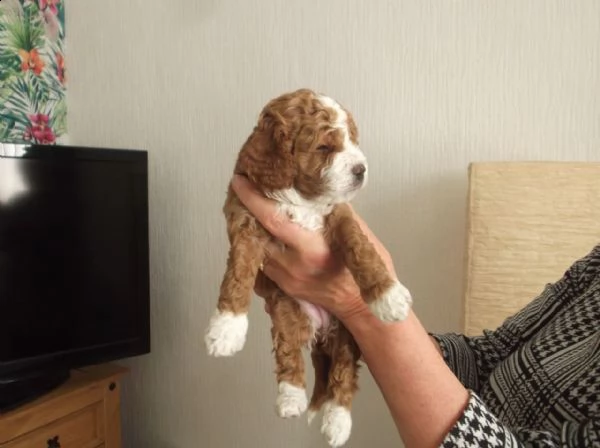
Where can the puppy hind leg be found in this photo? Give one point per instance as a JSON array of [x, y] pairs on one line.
[[343, 384], [290, 332], [321, 364]]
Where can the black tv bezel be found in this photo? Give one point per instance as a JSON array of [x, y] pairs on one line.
[[77, 358]]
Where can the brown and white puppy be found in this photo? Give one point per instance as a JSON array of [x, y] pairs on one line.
[[304, 154]]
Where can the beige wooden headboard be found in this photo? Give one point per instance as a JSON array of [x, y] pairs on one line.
[[527, 223]]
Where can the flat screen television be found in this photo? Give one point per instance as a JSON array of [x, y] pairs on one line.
[[74, 263]]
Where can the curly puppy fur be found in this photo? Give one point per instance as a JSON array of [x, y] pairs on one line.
[[304, 154]]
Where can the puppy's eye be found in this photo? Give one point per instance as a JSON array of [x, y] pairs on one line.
[[324, 148]]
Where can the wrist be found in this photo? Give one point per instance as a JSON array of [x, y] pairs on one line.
[[366, 328], [356, 316], [361, 322]]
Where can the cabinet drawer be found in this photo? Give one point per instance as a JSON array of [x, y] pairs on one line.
[[82, 429]]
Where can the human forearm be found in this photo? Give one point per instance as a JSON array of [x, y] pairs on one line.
[[424, 397], [436, 345]]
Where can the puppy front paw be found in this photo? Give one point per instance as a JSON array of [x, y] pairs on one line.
[[226, 333], [393, 305], [337, 424], [291, 400]]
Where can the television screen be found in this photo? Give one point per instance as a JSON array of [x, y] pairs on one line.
[[73, 255]]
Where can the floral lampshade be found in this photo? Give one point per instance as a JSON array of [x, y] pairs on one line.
[[32, 71]]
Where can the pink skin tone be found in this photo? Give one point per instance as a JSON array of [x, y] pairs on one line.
[[424, 397]]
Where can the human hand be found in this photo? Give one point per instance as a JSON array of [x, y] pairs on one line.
[[306, 268]]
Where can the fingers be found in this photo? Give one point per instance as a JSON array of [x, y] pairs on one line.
[[276, 266], [282, 266], [265, 210], [277, 255]]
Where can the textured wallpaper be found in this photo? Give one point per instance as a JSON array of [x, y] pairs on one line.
[[32, 71], [433, 85]]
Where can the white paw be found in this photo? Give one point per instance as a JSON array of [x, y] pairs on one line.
[[394, 305], [337, 424], [311, 415], [226, 333], [291, 401]]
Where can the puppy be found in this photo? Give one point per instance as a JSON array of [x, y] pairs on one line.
[[304, 154]]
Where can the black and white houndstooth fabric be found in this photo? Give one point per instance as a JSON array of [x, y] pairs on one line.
[[535, 381]]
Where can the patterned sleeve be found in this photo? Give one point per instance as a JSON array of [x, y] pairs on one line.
[[472, 359], [478, 428]]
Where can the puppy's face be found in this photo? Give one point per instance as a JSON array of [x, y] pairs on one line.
[[305, 150]]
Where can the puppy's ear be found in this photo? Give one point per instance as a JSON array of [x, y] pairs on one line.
[[266, 157]]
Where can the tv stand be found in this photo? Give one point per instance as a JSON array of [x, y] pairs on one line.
[[84, 411], [21, 389]]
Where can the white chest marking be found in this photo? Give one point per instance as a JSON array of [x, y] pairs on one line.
[[307, 214], [307, 218]]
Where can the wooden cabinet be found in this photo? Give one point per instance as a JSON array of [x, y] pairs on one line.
[[82, 413]]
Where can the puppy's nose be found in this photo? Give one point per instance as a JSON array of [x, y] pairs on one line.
[[359, 171]]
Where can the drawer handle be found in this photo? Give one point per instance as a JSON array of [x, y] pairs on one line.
[[53, 442]]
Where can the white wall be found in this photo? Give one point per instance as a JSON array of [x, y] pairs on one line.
[[433, 85]]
